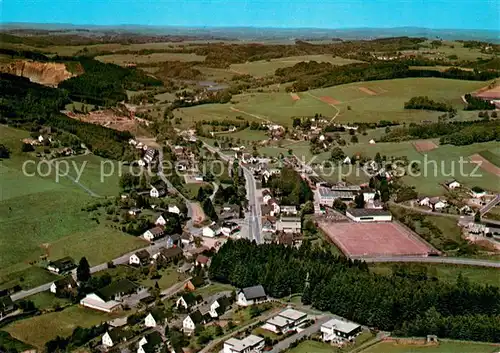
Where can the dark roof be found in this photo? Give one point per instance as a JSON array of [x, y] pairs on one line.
[[64, 282], [118, 334], [171, 252], [197, 317], [224, 302], [158, 314], [191, 299], [367, 212], [64, 263], [254, 292], [265, 209], [202, 259], [142, 255], [122, 286], [156, 231], [6, 303], [197, 281], [175, 237], [154, 339]]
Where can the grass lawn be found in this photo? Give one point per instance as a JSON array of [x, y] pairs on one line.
[[26, 276], [8, 342], [259, 331], [492, 155], [169, 277], [247, 135], [214, 288], [47, 300], [35, 330], [443, 347], [313, 347], [448, 273], [268, 67]]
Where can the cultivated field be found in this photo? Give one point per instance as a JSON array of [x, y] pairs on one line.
[[356, 102], [442, 347], [485, 164], [124, 59], [357, 240], [268, 67]]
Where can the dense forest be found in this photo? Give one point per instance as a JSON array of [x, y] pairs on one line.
[[457, 133], [404, 302], [425, 103], [474, 103], [105, 84], [30, 106]]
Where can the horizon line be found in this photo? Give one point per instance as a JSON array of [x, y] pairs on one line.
[[243, 26]]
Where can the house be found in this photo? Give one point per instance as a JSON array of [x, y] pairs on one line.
[[289, 225], [452, 184], [153, 233], [289, 210], [134, 211], [108, 299], [173, 240], [286, 321], [151, 343], [188, 301], [478, 193], [174, 209], [186, 239], [202, 261], [347, 160], [64, 285], [425, 202], [438, 204], [219, 306], [158, 189], [192, 320], [229, 228], [368, 215], [211, 231], [229, 211], [269, 224], [266, 210], [169, 254], [155, 318], [290, 239], [275, 207], [376, 204], [251, 295], [140, 258], [372, 142], [60, 266], [161, 220], [6, 306], [337, 331], [266, 196], [194, 283], [114, 337], [250, 344]]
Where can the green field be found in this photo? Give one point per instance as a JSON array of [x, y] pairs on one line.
[[46, 300], [449, 273], [313, 347], [169, 277], [35, 330], [387, 104], [123, 59], [492, 156], [443, 347], [39, 216], [268, 67]]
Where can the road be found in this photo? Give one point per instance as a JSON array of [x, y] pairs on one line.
[[117, 261], [254, 227], [464, 219], [434, 260], [283, 345], [486, 208], [189, 223]]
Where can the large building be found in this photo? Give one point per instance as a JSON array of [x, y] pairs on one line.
[[287, 320], [368, 215], [250, 344], [251, 295], [289, 225], [337, 331]]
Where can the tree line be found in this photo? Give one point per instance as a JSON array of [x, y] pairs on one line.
[[425, 103], [347, 288]]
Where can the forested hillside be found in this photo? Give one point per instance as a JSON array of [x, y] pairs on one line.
[[30, 106], [409, 303]]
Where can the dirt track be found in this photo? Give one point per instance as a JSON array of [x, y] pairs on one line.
[[424, 146], [485, 164]]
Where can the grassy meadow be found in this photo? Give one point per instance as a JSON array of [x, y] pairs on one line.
[[442, 347], [39, 216], [123, 59]]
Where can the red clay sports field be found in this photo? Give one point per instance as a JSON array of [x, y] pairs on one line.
[[357, 240]]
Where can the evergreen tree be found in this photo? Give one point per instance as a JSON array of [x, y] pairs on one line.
[[83, 270]]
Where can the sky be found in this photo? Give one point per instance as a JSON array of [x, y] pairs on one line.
[[448, 14]]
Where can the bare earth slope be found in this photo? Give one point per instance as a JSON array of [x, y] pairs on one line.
[[49, 74]]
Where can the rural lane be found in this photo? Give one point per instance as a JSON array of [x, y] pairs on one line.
[[434, 260]]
